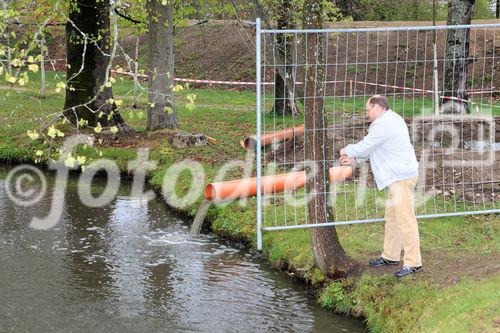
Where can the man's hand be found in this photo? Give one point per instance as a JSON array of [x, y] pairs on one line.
[[346, 160]]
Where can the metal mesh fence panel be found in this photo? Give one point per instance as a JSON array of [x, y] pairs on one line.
[[442, 80]]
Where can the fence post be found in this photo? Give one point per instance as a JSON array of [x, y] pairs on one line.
[[136, 70], [258, 110]]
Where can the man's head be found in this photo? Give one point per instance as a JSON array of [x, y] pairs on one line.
[[375, 106]]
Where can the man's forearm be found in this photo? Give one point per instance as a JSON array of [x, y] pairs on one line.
[[357, 150]]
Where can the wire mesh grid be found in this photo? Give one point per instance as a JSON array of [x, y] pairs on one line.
[[442, 80]]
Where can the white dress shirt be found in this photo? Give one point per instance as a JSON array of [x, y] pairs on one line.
[[388, 146]]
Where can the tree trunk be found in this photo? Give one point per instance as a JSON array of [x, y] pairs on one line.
[[329, 255], [350, 8], [7, 38], [136, 71], [457, 54], [86, 93], [161, 109], [284, 102], [276, 57]]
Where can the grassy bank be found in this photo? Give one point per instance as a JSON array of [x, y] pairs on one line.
[[456, 292]]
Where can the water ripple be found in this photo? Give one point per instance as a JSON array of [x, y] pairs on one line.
[[132, 266]]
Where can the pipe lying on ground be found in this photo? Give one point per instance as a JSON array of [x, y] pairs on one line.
[[247, 187], [267, 139]]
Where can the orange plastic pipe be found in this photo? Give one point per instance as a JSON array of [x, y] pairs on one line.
[[247, 187], [267, 139]]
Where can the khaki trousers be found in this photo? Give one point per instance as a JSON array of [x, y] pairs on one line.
[[401, 228]]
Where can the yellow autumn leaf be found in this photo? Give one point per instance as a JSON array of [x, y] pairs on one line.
[[33, 135], [114, 129], [54, 132], [177, 87], [60, 86], [39, 153], [33, 68], [17, 62], [51, 132], [81, 160], [70, 162], [98, 128], [82, 122], [10, 79]]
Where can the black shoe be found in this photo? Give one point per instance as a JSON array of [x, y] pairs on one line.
[[406, 270], [382, 262]]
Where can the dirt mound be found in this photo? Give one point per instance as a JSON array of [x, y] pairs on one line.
[[225, 50], [443, 148], [217, 51]]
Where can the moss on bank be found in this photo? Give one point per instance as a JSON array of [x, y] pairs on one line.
[[456, 292]]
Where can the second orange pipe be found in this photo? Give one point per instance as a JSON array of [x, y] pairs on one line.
[[267, 139]]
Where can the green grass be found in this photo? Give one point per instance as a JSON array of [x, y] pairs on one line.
[[412, 105], [460, 308], [423, 303], [463, 308]]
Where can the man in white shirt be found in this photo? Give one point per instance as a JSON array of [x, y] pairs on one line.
[[394, 165]]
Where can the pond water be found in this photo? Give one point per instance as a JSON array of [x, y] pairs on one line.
[[132, 266]]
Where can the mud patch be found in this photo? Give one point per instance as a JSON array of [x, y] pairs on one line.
[[440, 269]]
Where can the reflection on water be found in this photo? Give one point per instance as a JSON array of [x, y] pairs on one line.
[[133, 267]]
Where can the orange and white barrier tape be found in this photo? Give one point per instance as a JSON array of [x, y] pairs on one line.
[[249, 83]]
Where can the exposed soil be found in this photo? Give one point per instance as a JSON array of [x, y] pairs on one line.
[[444, 271], [224, 50], [134, 140], [451, 168], [217, 51]]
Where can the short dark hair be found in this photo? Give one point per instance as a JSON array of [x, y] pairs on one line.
[[380, 101]]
